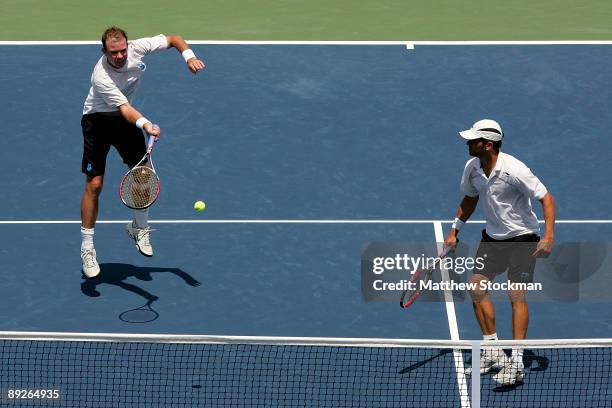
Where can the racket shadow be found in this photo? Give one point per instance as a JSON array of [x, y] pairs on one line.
[[425, 361], [141, 314]]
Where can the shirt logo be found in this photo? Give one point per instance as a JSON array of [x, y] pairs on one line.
[[142, 66]]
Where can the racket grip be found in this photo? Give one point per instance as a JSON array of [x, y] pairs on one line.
[[446, 251], [152, 140]]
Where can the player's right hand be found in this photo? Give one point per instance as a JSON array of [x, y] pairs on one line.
[[451, 241], [152, 130]]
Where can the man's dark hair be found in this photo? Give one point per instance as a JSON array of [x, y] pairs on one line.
[[113, 32], [497, 146]]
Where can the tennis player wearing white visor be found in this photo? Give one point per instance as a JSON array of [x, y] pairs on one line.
[[507, 187]]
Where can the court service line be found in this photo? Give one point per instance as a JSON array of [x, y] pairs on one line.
[[232, 221], [283, 221]]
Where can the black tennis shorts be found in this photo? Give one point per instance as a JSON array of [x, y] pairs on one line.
[[100, 132], [512, 254]]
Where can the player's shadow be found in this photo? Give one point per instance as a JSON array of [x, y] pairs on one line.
[[117, 273]]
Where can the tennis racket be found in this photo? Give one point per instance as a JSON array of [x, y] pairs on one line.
[[419, 278], [139, 187]]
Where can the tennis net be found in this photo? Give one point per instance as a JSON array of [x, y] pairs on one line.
[[122, 370]]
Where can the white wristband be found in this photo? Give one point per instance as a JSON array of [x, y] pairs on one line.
[[142, 121], [188, 54], [458, 224]]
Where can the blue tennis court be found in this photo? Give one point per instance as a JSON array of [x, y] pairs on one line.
[[303, 154]]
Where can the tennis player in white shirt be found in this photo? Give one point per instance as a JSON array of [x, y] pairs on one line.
[[109, 119], [510, 239]]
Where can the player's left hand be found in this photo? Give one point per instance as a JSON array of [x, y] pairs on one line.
[[195, 65], [544, 249]]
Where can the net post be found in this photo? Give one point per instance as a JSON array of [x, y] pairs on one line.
[[476, 374]]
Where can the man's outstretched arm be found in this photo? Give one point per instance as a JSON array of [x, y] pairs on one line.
[[193, 63]]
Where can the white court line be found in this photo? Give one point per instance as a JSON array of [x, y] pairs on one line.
[[408, 44], [282, 221], [448, 295], [222, 42], [535, 42], [233, 221], [452, 324]]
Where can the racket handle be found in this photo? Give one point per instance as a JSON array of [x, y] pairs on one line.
[[446, 251], [152, 140]]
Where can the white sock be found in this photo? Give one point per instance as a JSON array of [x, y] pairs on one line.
[[489, 336], [87, 236], [140, 218]]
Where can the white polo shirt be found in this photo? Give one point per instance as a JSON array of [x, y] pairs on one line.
[[112, 87], [507, 195]]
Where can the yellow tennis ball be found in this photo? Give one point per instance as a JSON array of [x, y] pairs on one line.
[[199, 206]]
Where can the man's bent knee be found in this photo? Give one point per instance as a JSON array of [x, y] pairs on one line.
[[516, 296], [476, 282], [94, 185]]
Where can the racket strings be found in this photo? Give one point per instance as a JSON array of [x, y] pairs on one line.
[[140, 187]]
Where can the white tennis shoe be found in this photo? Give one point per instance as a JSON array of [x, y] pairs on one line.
[[513, 373], [520, 370], [91, 269], [141, 237], [492, 359]]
